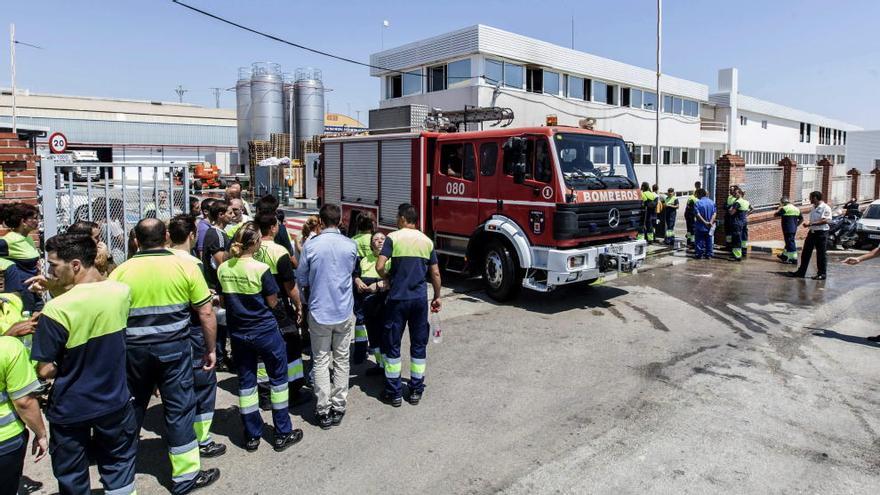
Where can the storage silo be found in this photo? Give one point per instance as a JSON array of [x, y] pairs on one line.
[[243, 112], [266, 106], [288, 99], [309, 104]]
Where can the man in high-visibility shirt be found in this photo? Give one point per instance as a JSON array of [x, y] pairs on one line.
[[690, 215], [413, 259], [649, 215], [80, 342], [164, 288], [17, 409], [791, 217]]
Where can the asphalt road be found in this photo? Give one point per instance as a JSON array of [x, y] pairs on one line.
[[706, 377]]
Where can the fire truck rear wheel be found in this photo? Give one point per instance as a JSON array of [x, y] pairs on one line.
[[501, 273]]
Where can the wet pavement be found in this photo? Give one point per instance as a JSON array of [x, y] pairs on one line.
[[705, 377]]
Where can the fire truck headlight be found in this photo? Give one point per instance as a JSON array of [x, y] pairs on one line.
[[576, 261]]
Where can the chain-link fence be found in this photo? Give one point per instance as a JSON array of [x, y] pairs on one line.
[[838, 194], [810, 180], [763, 186], [114, 196]]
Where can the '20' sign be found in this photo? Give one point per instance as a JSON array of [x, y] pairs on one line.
[[455, 188]]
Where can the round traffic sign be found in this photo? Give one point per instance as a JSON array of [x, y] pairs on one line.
[[57, 143]]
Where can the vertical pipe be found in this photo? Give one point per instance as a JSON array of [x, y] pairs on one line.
[[89, 193], [659, 95], [140, 190], [12, 67], [186, 188], [124, 204], [107, 218], [70, 208], [156, 188], [171, 192]]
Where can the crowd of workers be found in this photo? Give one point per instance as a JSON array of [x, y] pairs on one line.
[[223, 287]]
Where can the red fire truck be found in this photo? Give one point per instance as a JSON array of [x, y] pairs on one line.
[[534, 207]]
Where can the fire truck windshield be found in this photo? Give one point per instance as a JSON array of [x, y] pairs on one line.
[[594, 162]]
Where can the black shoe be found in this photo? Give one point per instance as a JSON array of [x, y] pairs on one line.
[[782, 257], [818, 277], [734, 258], [791, 262], [30, 486], [415, 398], [393, 401], [221, 366], [252, 444], [794, 275], [375, 371], [212, 449], [875, 338], [324, 421], [336, 417], [205, 478], [282, 442]]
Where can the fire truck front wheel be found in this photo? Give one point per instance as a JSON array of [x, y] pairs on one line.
[[501, 273]]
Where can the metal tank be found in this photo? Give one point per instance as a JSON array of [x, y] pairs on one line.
[[267, 109], [243, 112], [288, 99], [309, 104]]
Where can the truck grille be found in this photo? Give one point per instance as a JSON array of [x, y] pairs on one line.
[[572, 221]]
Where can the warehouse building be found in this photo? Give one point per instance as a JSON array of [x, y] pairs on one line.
[[127, 131], [485, 66]]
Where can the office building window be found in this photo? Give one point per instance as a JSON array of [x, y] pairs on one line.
[[551, 83], [676, 105], [763, 124], [393, 87], [691, 108], [743, 120], [650, 101], [604, 93], [534, 80], [513, 75], [458, 73], [575, 87], [667, 104], [809, 131], [624, 97], [802, 132], [635, 98], [436, 78], [494, 71]]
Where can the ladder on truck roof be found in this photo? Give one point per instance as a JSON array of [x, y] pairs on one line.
[[452, 121]]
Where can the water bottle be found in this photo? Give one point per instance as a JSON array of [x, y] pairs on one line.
[[436, 331]]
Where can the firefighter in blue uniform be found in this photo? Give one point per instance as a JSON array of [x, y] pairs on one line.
[[705, 216], [164, 289], [371, 291], [690, 215], [649, 216], [250, 293], [412, 259], [791, 218], [182, 232], [670, 212], [739, 213], [80, 342], [728, 217], [289, 310]]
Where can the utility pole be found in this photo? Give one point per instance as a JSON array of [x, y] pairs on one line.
[[216, 96], [659, 95], [358, 113], [385, 25], [12, 63], [180, 92]]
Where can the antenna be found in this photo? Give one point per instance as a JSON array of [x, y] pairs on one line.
[[216, 96], [180, 92]]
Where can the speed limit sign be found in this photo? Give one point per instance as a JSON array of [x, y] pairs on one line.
[[57, 143]]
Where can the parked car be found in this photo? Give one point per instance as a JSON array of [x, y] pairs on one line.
[[869, 225]]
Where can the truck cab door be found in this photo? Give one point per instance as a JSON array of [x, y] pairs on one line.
[[489, 154], [455, 189], [530, 202]]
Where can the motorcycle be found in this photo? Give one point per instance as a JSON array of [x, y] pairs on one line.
[[843, 230]]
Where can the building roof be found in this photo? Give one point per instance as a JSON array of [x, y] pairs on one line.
[[339, 120], [504, 44], [113, 109], [763, 107]]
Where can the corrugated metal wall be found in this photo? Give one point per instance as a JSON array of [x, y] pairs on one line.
[[359, 172], [120, 132], [332, 187], [396, 181]]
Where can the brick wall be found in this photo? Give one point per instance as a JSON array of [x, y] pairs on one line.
[[19, 165], [763, 226], [730, 169]]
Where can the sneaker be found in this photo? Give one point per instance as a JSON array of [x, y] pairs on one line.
[[791, 262], [875, 338], [415, 398], [30, 486], [205, 478], [393, 401], [818, 277], [782, 257], [324, 421], [252, 444], [283, 442], [336, 417], [212, 449]]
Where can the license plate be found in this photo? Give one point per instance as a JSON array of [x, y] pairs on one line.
[[874, 236]]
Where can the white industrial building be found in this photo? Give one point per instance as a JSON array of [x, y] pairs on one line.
[[128, 131], [485, 66]]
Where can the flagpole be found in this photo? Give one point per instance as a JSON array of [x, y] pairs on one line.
[[659, 95]]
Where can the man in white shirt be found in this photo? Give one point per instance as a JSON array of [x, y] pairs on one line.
[[817, 238]]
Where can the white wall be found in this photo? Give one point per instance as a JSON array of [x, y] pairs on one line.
[[862, 149], [781, 135], [680, 177]]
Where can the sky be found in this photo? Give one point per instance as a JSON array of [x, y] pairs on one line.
[[814, 55]]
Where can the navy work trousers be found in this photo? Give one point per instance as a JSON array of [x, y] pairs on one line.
[[111, 440], [168, 366], [270, 348], [12, 465], [398, 315]]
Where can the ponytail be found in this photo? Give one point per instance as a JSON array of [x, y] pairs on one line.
[[248, 236]]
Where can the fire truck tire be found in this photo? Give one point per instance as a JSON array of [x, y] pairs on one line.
[[502, 275]]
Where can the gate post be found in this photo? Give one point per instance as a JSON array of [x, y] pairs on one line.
[[789, 180], [730, 170], [876, 174], [856, 178]]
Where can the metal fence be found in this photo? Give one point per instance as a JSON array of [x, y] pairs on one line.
[[866, 186], [113, 195], [839, 193], [763, 186], [810, 180]]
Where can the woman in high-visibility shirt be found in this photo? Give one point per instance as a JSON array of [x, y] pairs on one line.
[[250, 295], [18, 247]]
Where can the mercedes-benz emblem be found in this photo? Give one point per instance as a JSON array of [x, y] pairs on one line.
[[613, 218]]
